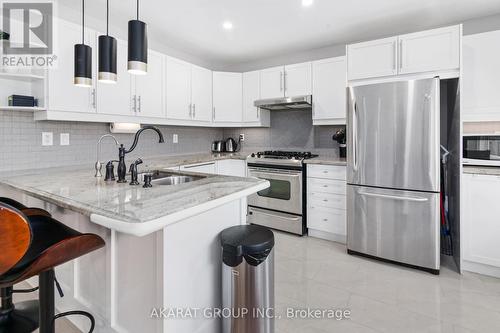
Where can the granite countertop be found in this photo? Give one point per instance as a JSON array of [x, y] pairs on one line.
[[132, 209], [482, 170]]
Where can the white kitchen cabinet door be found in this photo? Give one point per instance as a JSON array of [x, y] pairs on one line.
[[372, 59], [63, 94], [481, 75], [201, 93], [116, 98], [208, 167], [178, 89], [298, 79], [235, 168], [272, 82], [251, 93], [149, 88], [329, 91], [228, 97], [480, 214], [431, 50]]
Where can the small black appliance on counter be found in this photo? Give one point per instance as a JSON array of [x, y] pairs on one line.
[[340, 137]]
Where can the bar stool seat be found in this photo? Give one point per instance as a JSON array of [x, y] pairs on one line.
[[52, 244], [26, 210], [34, 245]]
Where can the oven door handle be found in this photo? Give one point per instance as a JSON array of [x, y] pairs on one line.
[[261, 212], [272, 173]]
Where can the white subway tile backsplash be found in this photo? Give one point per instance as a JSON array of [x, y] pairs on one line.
[[21, 142]]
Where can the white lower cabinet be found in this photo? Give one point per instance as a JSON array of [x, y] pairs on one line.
[[326, 202], [481, 224]]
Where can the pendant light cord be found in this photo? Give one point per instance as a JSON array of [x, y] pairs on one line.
[[83, 21], [107, 17], [137, 10]]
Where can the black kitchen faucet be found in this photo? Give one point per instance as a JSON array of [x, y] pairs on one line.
[[122, 168]]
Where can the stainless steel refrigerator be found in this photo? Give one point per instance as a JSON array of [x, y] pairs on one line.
[[393, 172]]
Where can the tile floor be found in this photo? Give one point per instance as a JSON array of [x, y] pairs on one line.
[[312, 273], [381, 297]]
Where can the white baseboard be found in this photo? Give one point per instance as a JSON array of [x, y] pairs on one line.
[[483, 269], [327, 236]]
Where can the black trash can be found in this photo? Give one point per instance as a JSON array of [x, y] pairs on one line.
[[247, 279]]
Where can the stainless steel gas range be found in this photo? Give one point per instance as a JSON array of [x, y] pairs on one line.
[[283, 205]]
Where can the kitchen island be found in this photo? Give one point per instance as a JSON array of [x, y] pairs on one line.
[[161, 249]]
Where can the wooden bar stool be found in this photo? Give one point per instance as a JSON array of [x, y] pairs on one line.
[[19, 206], [33, 244]]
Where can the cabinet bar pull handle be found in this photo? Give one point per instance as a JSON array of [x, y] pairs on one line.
[[135, 102], [281, 81], [140, 103], [93, 99]]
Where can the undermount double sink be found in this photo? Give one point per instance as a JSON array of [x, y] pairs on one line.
[[169, 178]]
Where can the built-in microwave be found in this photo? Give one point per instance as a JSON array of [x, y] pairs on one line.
[[482, 150]]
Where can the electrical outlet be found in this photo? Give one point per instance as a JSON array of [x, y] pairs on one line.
[[64, 139], [242, 137], [47, 138], [175, 138]]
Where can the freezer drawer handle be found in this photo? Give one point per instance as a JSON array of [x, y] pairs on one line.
[[386, 196]]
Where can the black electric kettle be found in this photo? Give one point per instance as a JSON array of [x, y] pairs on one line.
[[232, 146]]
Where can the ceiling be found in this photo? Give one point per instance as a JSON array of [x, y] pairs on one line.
[[268, 28]]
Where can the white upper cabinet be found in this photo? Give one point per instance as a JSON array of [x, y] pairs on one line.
[[372, 59], [201, 93], [298, 79], [329, 91], [63, 95], [481, 74], [436, 50], [116, 98], [431, 50], [149, 88], [271, 82], [178, 89], [251, 93], [228, 97], [285, 81]]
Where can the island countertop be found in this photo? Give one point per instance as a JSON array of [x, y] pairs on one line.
[[130, 209]]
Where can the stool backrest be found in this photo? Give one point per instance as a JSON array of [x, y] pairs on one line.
[[15, 237]]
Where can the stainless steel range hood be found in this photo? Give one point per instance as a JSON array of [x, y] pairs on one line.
[[285, 103]]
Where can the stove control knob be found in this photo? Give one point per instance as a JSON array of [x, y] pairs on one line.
[[253, 155], [258, 155]]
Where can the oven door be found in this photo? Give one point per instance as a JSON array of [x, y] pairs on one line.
[[285, 192]]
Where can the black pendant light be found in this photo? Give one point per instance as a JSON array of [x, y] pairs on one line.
[[107, 54], [83, 59], [137, 46]]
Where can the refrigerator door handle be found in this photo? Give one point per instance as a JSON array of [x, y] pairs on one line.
[[354, 137], [393, 197]]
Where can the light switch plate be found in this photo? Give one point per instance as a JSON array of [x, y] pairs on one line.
[[175, 138], [242, 137], [47, 139], [64, 139]]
